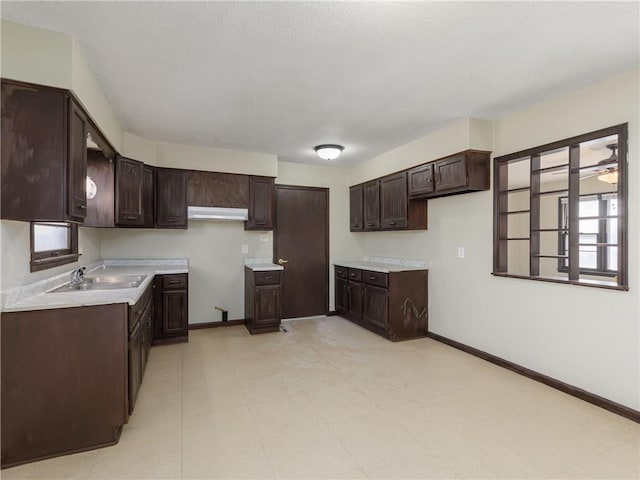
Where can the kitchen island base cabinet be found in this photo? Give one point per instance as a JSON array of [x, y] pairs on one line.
[[171, 316], [262, 301], [393, 304], [64, 381]]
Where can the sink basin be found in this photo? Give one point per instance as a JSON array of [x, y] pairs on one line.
[[103, 283]]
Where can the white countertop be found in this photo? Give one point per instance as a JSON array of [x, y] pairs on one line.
[[384, 265], [36, 296], [261, 264]]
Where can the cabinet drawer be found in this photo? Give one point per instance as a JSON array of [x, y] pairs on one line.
[[136, 310], [174, 282], [267, 278], [355, 274], [342, 272], [376, 278]]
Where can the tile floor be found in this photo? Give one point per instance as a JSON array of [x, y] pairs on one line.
[[328, 399]]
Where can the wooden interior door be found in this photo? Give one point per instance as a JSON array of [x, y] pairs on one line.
[[301, 239]]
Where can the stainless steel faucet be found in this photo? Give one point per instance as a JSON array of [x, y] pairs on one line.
[[77, 276]]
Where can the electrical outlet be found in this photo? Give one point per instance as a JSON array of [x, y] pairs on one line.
[[460, 252], [245, 248], [264, 237]]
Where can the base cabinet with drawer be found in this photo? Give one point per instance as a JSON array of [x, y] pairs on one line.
[[393, 304], [262, 300], [171, 317]]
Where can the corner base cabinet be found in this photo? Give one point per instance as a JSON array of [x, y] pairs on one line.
[[262, 301], [394, 305], [171, 316]]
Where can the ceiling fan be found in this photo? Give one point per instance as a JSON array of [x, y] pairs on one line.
[[606, 170]]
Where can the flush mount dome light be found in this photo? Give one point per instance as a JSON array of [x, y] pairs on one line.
[[328, 152]]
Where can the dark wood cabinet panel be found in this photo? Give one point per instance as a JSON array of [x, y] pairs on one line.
[[173, 312], [148, 196], [341, 295], [43, 154], [451, 173], [128, 192], [77, 163], [420, 180], [375, 311], [267, 305], [393, 305], [100, 209], [212, 189], [262, 301], [171, 198], [171, 308], [261, 203], [64, 381], [355, 301], [135, 365], [356, 206], [372, 205], [393, 202]]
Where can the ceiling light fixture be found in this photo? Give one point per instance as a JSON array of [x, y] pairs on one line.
[[329, 152], [609, 177]]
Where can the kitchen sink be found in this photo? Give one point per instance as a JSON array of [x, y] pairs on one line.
[[103, 283]]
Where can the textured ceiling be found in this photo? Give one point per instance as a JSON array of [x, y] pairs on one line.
[[283, 77]]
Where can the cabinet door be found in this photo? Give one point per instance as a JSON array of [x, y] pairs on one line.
[[266, 310], [355, 300], [393, 202], [145, 338], [420, 180], [135, 365], [261, 203], [171, 198], [174, 313], [356, 208], [372, 205], [148, 196], [341, 299], [375, 307], [451, 173], [77, 163], [128, 192]]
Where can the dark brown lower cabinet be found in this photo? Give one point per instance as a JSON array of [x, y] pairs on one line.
[[393, 304], [262, 301], [140, 321], [64, 381], [171, 316]]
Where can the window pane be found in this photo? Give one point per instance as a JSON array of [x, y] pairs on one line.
[[612, 259], [588, 255], [50, 237]]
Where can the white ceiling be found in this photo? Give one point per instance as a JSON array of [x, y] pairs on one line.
[[283, 77]]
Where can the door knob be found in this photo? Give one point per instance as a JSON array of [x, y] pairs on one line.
[[282, 262]]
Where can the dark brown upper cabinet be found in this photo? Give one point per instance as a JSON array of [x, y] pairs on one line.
[[371, 205], [43, 154], [171, 198], [148, 196], [420, 180], [393, 202], [100, 208], [129, 175], [261, 203], [356, 213], [212, 189], [460, 173]]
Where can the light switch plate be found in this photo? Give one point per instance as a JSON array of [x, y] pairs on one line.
[[460, 252], [245, 248]]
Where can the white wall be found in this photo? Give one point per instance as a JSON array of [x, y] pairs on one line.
[[586, 337], [16, 254], [342, 244], [216, 264]]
